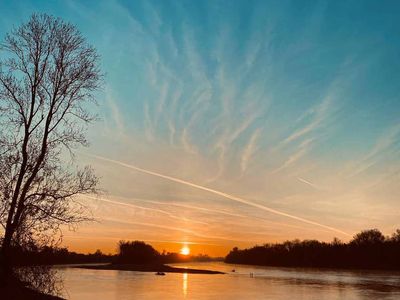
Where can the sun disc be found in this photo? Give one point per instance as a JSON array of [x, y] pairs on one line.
[[185, 250]]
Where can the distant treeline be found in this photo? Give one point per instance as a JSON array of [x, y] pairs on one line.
[[24, 256], [369, 249], [30, 253]]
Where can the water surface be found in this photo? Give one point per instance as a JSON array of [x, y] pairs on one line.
[[247, 282]]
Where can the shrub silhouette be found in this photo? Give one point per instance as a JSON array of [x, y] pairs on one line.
[[136, 252], [368, 237]]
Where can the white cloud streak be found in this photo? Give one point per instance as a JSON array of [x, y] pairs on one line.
[[249, 150], [302, 150], [319, 112], [146, 208], [384, 143], [309, 183]]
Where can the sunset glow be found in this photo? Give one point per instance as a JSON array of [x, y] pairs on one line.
[[185, 250]]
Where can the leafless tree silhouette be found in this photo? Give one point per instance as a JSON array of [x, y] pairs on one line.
[[48, 76]]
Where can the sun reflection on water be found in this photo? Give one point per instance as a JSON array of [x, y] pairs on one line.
[[185, 284]]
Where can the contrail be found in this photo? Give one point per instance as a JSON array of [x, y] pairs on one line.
[[222, 194], [102, 237], [216, 211], [221, 212], [145, 208], [309, 183]]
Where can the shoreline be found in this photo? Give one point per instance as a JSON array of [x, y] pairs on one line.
[[148, 268], [15, 290], [319, 268]]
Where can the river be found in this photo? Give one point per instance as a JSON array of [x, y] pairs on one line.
[[247, 282]]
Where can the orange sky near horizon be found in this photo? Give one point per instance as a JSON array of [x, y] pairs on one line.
[[109, 247]]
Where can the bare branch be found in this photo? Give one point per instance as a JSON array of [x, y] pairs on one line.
[[47, 79]]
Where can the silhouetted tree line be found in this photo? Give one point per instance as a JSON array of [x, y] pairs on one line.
[[30, 254], [369, 249]]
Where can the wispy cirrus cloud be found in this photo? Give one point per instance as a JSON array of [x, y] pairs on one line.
[[249, 149], [301, 151], [387, 141], [317, 115]]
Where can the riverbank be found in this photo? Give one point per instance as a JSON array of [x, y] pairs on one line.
[[148, 268], [17, 291]]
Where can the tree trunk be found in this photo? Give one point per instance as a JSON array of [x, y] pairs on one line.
[[5, 265]]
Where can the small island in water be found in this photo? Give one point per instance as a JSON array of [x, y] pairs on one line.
[[156, 267], [139, 256]]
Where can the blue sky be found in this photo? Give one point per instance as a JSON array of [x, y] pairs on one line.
[[292, 105]]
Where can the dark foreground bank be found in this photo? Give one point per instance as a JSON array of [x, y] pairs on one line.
[[148, 268], [14, 290]]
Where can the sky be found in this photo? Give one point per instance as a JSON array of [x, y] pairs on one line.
[[235, 123]]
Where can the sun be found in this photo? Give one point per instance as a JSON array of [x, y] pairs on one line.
[[185, 250]]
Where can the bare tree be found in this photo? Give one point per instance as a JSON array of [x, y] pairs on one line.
[[48, 74]]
